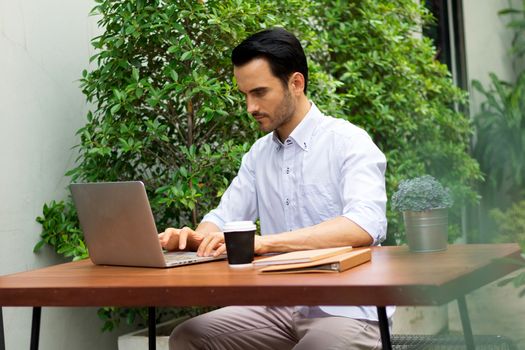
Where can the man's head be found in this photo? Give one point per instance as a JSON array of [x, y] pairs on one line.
[[281, 49], [271, 71]]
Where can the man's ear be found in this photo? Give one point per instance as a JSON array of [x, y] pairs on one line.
[[297, 82]]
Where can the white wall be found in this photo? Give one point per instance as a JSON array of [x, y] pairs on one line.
[[44, 45], [487, 44]]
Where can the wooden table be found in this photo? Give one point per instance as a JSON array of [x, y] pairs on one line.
[[395, 276]]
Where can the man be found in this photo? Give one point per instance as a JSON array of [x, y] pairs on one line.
[[313, 181]]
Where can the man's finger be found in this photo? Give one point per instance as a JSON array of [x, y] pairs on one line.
[[169, 238], [213, 243], [164, 238], [220, 250], [183, 237], [203, 245], [209, 243]]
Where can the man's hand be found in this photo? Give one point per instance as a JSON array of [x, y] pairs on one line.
[[180, 239], [206, 240], [204, 243], [259, 247], [213, 244]]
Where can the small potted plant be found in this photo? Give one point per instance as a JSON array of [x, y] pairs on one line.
[[424, 203]]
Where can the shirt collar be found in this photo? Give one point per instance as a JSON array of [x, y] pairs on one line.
[[302, 134]]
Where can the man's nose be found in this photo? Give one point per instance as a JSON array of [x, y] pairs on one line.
[[251, 106]]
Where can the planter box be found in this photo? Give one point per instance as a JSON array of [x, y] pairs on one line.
[[420, 320], [138, 340]]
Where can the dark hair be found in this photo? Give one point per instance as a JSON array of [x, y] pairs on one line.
[[281, 48]]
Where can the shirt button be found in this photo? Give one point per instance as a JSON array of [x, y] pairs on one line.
[[288, 142], [287, 201], [287, 170]]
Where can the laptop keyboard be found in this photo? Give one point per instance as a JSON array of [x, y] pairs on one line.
[[178, 256], [181, 257]]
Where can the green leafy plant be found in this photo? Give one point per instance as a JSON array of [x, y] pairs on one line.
[[500, 126], [511, 228], [390, 84], [165, 109], [518, 280], [500, 133], [60, 224], [511, 224], [500, 146], [420, 194], [517, 24]]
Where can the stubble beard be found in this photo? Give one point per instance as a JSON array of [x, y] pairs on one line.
[[283, 113]]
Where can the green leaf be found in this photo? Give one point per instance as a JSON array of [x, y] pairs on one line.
[[135, 74], [38, 246], [186, 56], [115, 108], [174, 75], [509, 11]]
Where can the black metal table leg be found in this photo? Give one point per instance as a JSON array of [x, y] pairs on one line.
[[2, 338], [383, 328], [152, 342], [35, 327], [465, 323]]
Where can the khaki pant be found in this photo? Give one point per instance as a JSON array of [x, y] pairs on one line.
[[273, 328]]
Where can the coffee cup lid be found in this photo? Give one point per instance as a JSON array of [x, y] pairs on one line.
[[234, 226]]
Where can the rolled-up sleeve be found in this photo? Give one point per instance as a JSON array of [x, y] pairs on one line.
[[363, 185]]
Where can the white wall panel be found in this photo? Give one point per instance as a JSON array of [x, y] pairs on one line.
[[44, 46]]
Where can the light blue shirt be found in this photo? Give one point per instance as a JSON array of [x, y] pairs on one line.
[[326, 168]]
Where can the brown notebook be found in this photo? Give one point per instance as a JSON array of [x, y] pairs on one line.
[[336, 263], [301, 256]]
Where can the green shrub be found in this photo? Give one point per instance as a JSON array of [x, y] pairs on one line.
[[166, 110], [61, 230], [391, 85], [500, 125], [510, 224], [500, 139], [511, 229], [500, 132]]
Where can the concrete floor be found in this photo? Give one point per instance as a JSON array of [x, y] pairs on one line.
[[493, 310]]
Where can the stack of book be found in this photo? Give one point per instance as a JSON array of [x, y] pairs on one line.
[[316, 260]]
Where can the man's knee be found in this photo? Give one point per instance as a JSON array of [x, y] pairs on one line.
[[186, 336]]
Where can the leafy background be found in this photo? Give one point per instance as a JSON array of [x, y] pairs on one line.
[[499, 148], [166, 110]]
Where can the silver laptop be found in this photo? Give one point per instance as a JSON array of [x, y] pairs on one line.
[[119, 227]]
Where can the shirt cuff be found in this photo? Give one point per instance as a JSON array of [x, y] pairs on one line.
[[375, 228], [214, 219]]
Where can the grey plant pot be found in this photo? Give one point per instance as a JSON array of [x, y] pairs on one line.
[[426, 231]]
